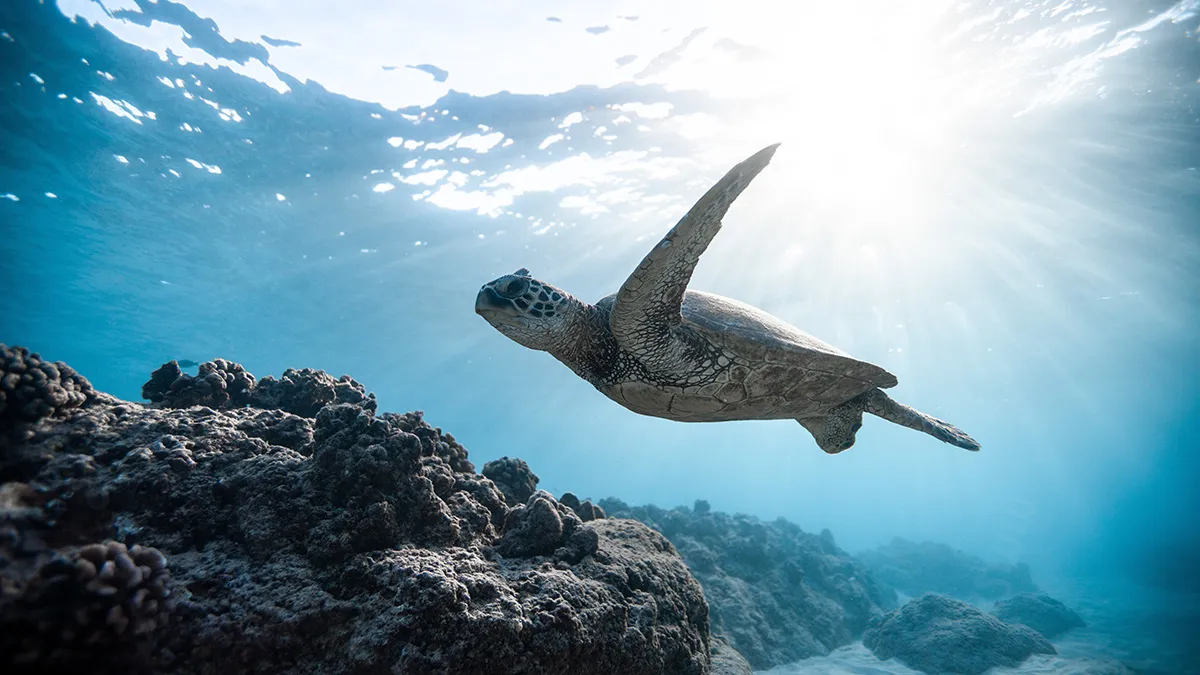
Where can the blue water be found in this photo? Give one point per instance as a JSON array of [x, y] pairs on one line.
[[997, 202]]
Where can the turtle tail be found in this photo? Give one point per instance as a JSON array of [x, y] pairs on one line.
[[882, 405]]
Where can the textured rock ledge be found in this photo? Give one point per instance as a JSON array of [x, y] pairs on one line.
[[237, 525], [776, 593]]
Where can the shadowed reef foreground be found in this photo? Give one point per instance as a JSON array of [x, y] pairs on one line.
[[284, 526]]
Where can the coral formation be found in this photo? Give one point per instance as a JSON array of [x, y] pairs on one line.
[[586, 510], [342, 542], [514, 478], [1040, 612], [727, 661], [32, 389], [775, 592], [918, 568], [305, 391], [62, 602], [937, 634], [102, 601], [220, 384], [224, 385]]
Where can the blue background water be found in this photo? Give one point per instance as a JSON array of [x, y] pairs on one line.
[[998, 203]]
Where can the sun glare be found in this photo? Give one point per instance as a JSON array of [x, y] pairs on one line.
[[864, 99]]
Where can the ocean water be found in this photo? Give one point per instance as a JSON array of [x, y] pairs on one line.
[[997, 202]]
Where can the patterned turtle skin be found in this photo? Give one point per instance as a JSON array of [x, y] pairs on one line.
[[662, 350]]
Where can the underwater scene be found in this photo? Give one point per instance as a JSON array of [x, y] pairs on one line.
[[600, 338]]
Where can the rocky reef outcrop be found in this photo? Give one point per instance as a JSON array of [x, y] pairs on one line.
[[517, 482], [776, 593], [1040, 612], [728, 661], [237, 525], [32, 389], [223, 385], [918, 568], [937, 634]]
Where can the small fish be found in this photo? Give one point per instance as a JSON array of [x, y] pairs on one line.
[[186, 363]]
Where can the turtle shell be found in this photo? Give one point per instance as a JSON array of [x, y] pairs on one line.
[[779, 359]]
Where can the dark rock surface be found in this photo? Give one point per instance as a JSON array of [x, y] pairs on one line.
[[345, 542], [727, 661], [514, 478], [32, 388], [585, 509], [101, 601], [918, 568], [220, 384], [776, 593], [936, 634], [1040, 612], [224, 385], [305, 391]]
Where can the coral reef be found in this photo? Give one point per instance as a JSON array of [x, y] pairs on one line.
[[586, 510], [101, 601], [514, 478], [224, 385], [219, 384], [341, 541], [1040, 612], [937, 634], [775, 592], [305, 391], [727, 661], [32, 389], [918, 568]]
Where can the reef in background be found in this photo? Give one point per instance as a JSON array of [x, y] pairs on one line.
[[926, 567], [284, 526], [776, 593]]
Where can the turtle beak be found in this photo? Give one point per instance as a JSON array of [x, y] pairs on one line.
[[489, 301]]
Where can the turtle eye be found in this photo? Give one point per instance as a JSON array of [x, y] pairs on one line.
[[513, 288]]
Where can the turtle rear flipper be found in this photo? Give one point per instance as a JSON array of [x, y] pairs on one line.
[[882, 405]]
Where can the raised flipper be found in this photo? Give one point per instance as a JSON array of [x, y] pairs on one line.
[[882, 405], [648, 305]]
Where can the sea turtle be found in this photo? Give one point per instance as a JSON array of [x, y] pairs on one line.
[[659, 349]]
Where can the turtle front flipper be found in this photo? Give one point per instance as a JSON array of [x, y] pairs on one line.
[[648, 305], [882, 405]]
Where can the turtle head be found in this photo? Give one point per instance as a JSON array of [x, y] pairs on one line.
[[532, 313], [836, 431]]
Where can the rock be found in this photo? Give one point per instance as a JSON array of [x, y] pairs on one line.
[[224, 385], [542, 527], [514, 478], [727, 661], [219, 384], [586, 510], [776, 593], [31, 390], [937, 634], [344, 542], [536, 527], [1040, 612], [100, 602], [916, 569], [305, 391]]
